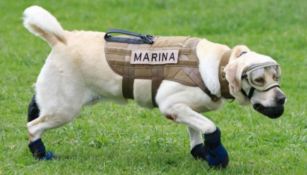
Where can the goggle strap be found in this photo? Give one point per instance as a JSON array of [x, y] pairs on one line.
[[243, 92], [258, 66], [250, 93], [277, 85], [252, 90], [244, 76]]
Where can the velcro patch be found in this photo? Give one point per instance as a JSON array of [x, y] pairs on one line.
[[154, 57]]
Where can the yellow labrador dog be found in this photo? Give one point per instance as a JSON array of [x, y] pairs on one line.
[[76, 72]]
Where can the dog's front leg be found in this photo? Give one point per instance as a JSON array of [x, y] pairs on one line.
[[212, 150]]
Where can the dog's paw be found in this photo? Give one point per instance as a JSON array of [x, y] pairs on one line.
[[218, 157], [48, 156], [217, 154], [199, 152], [38, 151]]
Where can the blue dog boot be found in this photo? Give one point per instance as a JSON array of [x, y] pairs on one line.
[[217, 154], [199, 152], [218, 157], [49, 155], [38, 151]]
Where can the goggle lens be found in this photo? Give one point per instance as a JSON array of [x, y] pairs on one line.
[[263, 77]]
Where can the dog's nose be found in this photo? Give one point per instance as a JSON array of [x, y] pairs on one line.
[[280, 99]]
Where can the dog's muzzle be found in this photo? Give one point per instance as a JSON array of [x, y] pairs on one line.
[[272, 111]]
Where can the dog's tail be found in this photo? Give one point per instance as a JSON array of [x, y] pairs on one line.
[[41, 23]]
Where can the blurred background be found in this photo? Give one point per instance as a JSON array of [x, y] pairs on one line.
[[114, 139]]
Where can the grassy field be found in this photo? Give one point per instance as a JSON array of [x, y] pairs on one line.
[[112, 139]]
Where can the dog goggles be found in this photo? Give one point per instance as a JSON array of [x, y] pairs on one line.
[[264, 82]]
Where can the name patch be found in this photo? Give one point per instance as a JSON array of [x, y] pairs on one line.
[[154, 57]]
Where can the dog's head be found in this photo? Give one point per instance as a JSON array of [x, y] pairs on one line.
[[254, 78]]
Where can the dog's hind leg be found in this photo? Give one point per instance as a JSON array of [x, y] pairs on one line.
[[37, 146], [51, 109], [46, 120], [212, 149]]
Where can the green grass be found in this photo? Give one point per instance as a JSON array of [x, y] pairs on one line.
[[143, 141]]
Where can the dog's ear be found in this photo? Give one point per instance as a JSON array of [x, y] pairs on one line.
[[238, 50], [233, 72], [231, 76]]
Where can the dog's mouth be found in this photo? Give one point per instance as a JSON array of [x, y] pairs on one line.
[[272, 112]]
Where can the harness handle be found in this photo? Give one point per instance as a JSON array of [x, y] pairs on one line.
[[136, 39]]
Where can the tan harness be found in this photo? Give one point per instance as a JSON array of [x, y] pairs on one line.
[[185, 71]]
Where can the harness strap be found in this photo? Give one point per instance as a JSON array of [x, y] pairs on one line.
[[222, 77], [196, 77], [127, 82]]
